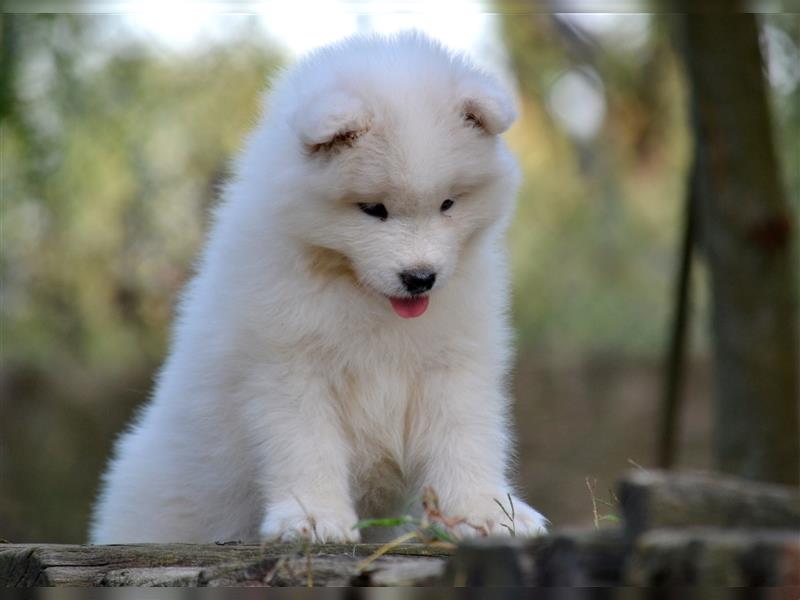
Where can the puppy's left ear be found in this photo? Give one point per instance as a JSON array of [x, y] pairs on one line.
[[486, 105], [333, 120]]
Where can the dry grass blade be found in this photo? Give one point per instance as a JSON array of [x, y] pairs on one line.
[[594, 504], [633, 463], [512, 529], [309, 571], [441, 544], [406, 537]]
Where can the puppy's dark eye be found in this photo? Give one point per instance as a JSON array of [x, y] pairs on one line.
[[374, 210], [446, 205]]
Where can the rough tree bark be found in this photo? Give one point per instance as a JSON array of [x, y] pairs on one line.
[[746, 234], [675, 366]]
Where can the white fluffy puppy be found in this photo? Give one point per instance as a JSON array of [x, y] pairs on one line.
[[345, 341]]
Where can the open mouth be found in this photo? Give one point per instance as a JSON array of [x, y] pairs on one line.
[[410, 308]]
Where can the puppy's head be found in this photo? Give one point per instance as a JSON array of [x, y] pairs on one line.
[[397, 144]]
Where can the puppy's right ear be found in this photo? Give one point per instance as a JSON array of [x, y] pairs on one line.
[[331, 121]]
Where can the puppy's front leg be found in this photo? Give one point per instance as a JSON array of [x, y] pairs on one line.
[[461, 442], [304, 458]]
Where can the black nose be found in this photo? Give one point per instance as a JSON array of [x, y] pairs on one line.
[[418, 281]]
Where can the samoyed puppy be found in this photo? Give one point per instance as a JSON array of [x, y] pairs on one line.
[[345, 342]]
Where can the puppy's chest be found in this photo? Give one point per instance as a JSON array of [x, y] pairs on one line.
[[375, 408], [377, 388], [375, 412]]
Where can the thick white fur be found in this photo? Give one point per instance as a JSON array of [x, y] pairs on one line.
[[294, 400]]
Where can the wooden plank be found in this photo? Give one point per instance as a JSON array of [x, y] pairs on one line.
[[23, 565], [659, 499]]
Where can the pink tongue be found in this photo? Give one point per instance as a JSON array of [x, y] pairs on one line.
[[408, 308]]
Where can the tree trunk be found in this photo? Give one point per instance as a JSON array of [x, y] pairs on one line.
[[746, 232]]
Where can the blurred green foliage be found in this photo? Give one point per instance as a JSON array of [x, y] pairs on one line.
[[593, 244], [110, 162], [111, 154]]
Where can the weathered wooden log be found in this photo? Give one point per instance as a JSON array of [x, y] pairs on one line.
[[579, 557], [575, 557], [24, 565], [659, 499], [712, 557], [490, 562]]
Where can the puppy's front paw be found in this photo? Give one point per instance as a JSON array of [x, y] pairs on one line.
[[483, 516], [289, 522]]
